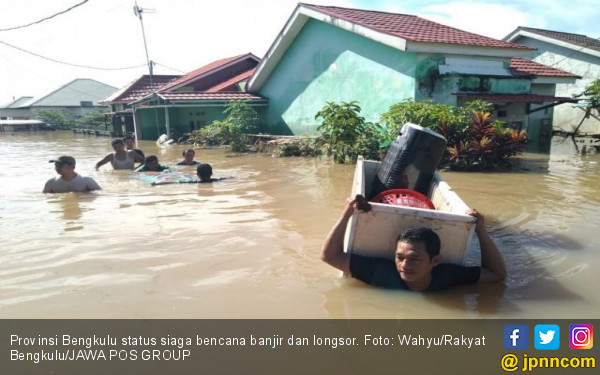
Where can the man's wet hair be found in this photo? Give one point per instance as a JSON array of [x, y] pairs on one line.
[[204, 171], [116, 141], [188, 150], [425, 235], [151, 158]]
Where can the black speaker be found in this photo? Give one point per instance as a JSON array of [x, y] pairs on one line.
[[410, 161]]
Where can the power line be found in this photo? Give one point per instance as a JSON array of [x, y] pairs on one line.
[[168, 67], [67, 63], [45, 18]]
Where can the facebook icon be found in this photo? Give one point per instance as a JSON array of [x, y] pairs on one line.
[[516, 336]]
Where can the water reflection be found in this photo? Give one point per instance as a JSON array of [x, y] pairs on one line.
[[249, 246]]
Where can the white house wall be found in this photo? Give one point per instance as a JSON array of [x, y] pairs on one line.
[[566, 116]]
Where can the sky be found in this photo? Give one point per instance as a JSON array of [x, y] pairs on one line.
[[183, 35]]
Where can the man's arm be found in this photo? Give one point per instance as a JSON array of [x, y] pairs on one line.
[[92, 184], [137, 157], [106, 159], [47, 188], [492, 263], [332, 251]]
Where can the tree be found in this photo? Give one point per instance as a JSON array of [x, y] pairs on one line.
[[593, 93], [344, 134]]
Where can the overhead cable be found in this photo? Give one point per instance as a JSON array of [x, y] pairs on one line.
[[67, 63], [45, 18]]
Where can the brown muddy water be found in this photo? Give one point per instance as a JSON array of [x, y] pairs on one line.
[[248, 247]]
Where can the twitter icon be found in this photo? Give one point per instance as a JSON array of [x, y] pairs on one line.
[[547, 336]]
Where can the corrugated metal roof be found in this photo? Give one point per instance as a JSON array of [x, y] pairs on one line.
[[23, 101], [75, 92], [412, 28]]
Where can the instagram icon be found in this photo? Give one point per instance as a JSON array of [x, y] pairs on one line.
[[581, 336]]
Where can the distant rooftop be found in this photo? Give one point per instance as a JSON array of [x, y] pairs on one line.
[[576, 39]]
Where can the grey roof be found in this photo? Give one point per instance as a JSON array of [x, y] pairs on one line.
[[23, 101], [579, 40], [75, 92]]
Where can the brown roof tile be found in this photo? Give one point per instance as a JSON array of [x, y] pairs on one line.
[[412, 28], [232, 81], [200, 71], [210, 96], [142, 87], [522, 65], [576, 39]]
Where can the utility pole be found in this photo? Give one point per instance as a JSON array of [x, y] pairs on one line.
[[137, 10]]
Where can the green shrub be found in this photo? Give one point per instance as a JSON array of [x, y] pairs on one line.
[[344, 134], [241, 120]]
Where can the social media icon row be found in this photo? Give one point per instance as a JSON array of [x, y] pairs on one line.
[[547, 336]]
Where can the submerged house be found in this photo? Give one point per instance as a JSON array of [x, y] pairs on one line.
[[78, 97], [194, 100], [574, 53], [332, 54], [121, 112]]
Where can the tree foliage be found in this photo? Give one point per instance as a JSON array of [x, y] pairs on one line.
[[241, 120], [344, 134]]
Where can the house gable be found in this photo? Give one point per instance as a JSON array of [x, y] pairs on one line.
[[326, 63], [399, 31]]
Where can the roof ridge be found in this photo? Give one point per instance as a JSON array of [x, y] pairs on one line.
[[362, 10], [553, 31]]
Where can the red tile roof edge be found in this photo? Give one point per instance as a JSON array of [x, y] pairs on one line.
[[205, 69], [485, 41], [221, 95], [540, 70], [232, 81]]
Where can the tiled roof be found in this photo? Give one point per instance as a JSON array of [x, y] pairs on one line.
[[412, 28], [140, 88], [522, 65], [232, 81], [205, 69], [516, 98], [576, 39], [210, 96]]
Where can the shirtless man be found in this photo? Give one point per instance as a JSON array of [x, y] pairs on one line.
[[417, 259], [129, 142], [68, 180], [121, 158]]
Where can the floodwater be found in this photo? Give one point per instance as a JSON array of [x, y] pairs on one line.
[[248, 246]]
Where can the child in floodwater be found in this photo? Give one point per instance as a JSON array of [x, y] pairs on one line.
[[204, 172]]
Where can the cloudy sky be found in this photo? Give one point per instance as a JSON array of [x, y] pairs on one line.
[[183, 35]]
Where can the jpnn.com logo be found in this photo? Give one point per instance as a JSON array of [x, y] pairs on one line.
[[516, 336]]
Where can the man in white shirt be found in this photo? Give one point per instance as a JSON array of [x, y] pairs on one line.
[[69, 180]]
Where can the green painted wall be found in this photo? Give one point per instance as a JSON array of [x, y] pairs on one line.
[[510, 86], [325, 63], [180, 119]]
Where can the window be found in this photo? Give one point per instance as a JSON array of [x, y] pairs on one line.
[[501, 114], [86, 104]]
